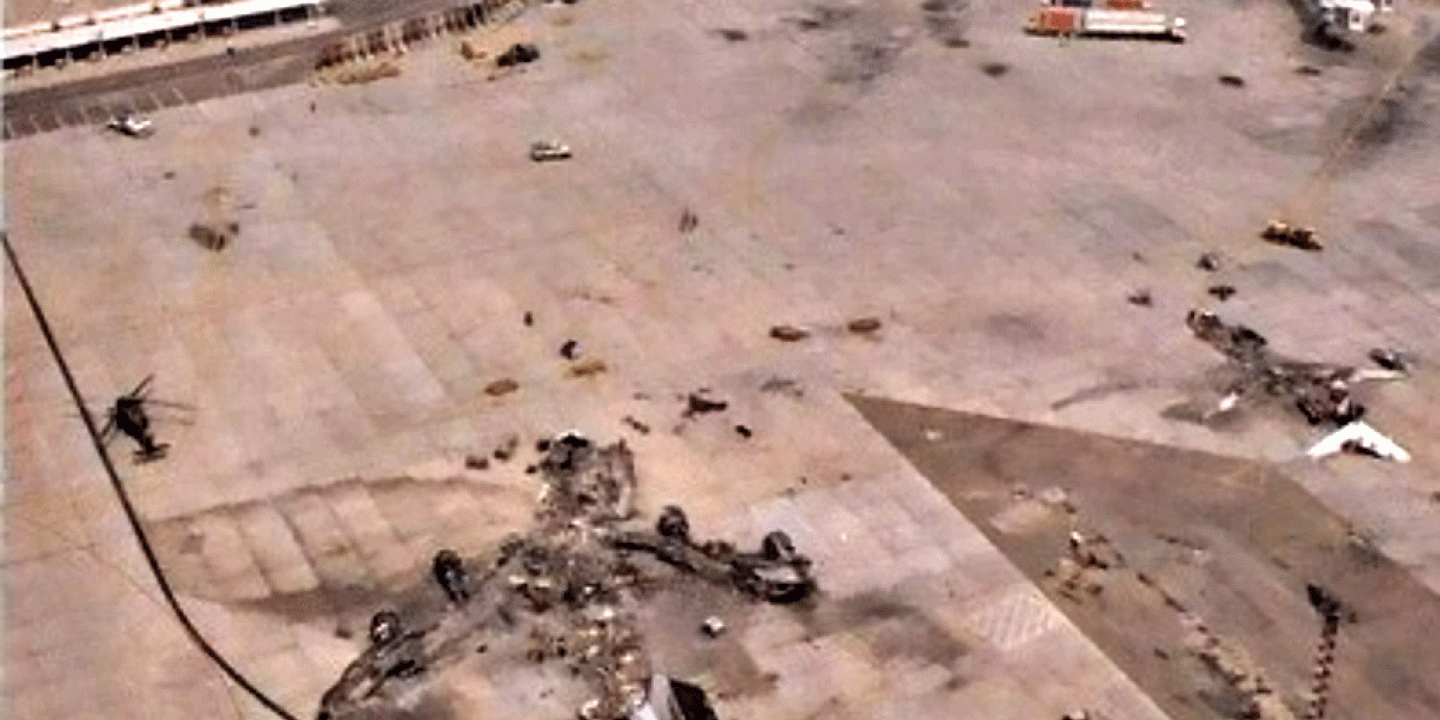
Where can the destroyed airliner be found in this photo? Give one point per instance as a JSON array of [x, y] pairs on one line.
[[570, 585], [1321, 391]]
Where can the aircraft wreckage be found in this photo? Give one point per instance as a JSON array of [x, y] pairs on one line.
[[1320, 391], [572, 582]]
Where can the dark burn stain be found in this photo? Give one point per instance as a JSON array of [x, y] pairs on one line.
[[1014, 329], [891, 628]]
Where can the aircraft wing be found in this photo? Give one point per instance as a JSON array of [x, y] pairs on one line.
[[1363, 436]]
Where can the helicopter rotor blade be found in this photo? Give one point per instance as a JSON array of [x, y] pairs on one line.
[[169, 404], [139, 390]]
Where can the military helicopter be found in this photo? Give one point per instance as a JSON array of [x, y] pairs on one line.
[[128, 416]]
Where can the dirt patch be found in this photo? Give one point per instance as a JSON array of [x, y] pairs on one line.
[[946, 21], [1014, 329]]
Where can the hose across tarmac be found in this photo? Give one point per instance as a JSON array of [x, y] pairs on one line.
[[124, 496]]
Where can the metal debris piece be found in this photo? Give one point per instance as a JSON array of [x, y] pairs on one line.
[[518, 54], [863, 325], [788, 333], [689, 221], [637, 426], [1140, 297], [1209, 262], [744, 431], [586, 368], [503, 386], [695, 404], [567, 350], [213, 236], [1310, 70], [506, 449], [1282, 233], [732, 34], [1221, 292], [1232, 81], [1389, 359], [477, 462], [449, 572], [529, 318], [713, 626]]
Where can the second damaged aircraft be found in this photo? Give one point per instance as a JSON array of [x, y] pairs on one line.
[[1322, 392]]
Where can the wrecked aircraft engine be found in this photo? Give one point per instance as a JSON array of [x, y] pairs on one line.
[[1321, 391], [568, 586]]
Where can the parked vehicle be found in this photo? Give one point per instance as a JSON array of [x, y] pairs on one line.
[[1103, 4], [543, 150], [1059, 20]]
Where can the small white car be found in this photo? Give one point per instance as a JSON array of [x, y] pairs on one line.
[[543, 150], [132, 125]]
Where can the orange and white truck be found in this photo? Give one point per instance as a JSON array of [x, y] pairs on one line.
[[1079, 22]]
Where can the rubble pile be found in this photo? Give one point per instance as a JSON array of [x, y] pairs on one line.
[[569, 586]]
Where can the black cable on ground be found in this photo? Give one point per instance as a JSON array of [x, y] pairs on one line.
[[124, 496]]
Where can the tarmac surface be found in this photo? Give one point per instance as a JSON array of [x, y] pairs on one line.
[[992, 204]]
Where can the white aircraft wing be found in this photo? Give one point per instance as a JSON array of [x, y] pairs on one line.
[[1362, 435]]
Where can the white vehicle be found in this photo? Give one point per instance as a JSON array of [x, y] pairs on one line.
[[1132, 22], [132, 125], [1334, 19], [543, 150]]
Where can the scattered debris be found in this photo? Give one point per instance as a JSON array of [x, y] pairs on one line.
[[1221, 292], [503, 386], [214, 237], [862, 326], [732, 34], [788, 333], [1209, 262], [636, 425], [548, 150], [1389, 360], [1281, 233], [713, 626], [586, 368], [254, 131], [518, 54], [506, 449], [1232, 81], [1358, 438], [995, 69], [567, 350], [477, 462], [1139, 297], [529, 319], [1310, 70], [695, 404], [689, 221], [744, 431]]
